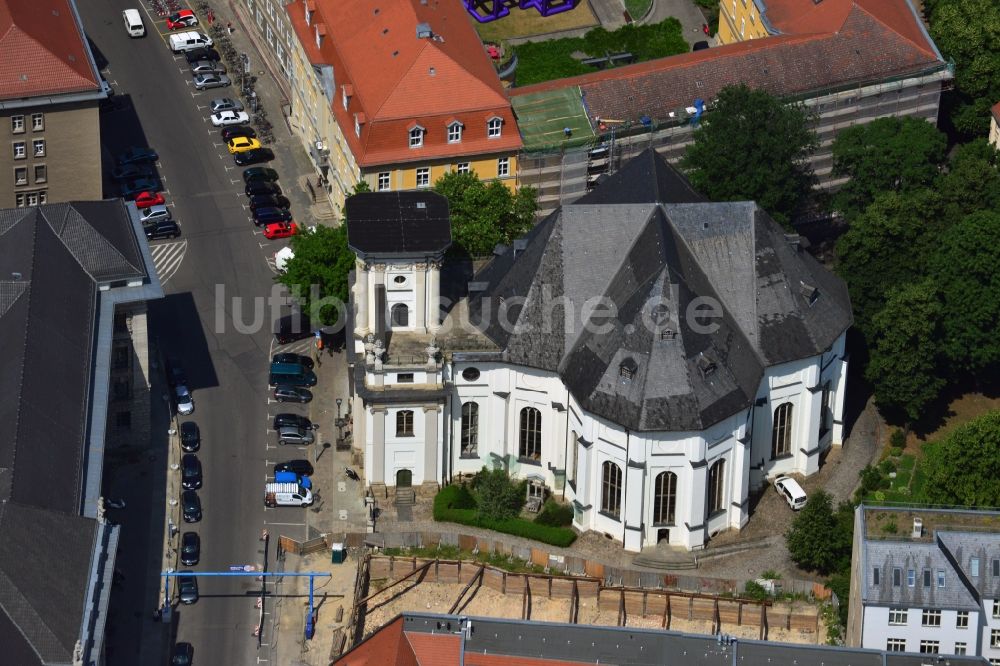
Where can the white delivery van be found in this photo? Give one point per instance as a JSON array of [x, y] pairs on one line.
[[188, 41], [287, 494], [133, 23], [790, 489]]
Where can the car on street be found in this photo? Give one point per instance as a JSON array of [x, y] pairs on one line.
[[160, 229], [183, 399], [147, 199], [300, 467], [224, 118], [255, 187], [240, 144], [132, 188], [225, 104], [288, 419], [259, 173], [208, 67], [255, 156], [292, 327], [288, 357], [238, 130], [267, 201], [210, 80], [190, 436], [136, 155], [190, 472], [185, 18], [269, 215], [154, 214], [279, 230], [183, 655], [292, 394], [187, 586], [202, 53], [295, 435], [191, 505], [190, 549], [133, 171]]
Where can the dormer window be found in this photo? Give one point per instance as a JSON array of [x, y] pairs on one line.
[[346, 92], [454, 132], [810, 292], [358, 121], [706, 366], [627, 369], [416, 136], [668, 335], [493, 127], [320, 34]]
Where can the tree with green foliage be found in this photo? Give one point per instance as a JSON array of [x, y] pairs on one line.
[[498, 497], [753, 146], [968, 31], [886, 155], [820, 538], [905, 338], [965, 269], [963, 468], [971, 181], [317, 273], [484, 215]]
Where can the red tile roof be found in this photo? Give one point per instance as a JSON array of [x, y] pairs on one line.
[[996, 111], [398, 78], [386, 647], [435, 649], [42, 50]]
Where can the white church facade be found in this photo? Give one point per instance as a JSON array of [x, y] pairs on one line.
[[648, 356]]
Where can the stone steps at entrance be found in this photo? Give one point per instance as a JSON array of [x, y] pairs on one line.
[[405, 497]]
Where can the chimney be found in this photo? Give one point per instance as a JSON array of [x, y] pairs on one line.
[[424, 31]]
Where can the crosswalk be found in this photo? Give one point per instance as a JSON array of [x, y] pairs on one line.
[[167, 258]]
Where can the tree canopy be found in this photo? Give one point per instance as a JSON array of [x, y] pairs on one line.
[[321, 264], [971, 181], [484, 215], [886, 155], [963, 468], [753, 146], [820, 539], [499, 497]]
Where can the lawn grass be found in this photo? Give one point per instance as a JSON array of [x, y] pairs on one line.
[[529, 23], [637, 8]]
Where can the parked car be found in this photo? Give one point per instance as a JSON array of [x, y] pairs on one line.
[[292, 394], [161, 229], [259, 173], [187, 586], [190, 436], [238, 130], [183, 655], [210, 80], [224, 118], [182, 397], [700, 46], [190, 472], [191, 505], [255, 156], [279, 230], [790, 489], [135, 155], [267, 201], [190, 549], [269, 215], [132, 188], [255, 187], [288, 357], [294, 435], [300, 467], [291, 328], [294, 420], [225, 104], [185, 18], [207, 67], [147, 199], [241, 144], [133, 171], [154, 214], [202, 53]]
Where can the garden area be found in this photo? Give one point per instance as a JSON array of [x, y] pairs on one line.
[[494, 501], [560, 58]]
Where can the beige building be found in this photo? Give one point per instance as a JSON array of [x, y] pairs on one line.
[[50, 91]]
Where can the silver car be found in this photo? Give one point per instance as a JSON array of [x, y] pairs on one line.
[[225, 104], [154, 214], [205, 81], [207, 67], [294, 435]]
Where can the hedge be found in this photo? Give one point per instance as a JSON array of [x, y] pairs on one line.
[[451, 506]]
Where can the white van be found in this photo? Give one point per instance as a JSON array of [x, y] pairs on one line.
[[287, 494], [133, 23], [188, 41], [790, 489]]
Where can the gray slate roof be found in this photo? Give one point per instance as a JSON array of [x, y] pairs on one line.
[[906, 555], [652, 259], [963, 546]]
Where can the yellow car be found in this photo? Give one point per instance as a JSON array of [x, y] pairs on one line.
[[241, 144]]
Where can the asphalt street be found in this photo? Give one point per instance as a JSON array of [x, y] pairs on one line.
[[221, 251]]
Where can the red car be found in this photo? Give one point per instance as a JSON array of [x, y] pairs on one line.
[[147, 199], [185, 18], [277, 230]]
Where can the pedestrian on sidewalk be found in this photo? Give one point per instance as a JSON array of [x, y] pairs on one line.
[[229, 27], [210, 16]]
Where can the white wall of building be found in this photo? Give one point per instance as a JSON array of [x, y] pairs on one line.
[[876, 630]]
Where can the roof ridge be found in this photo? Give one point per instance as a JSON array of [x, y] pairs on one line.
[[37, 623], [24, 346], [922, 49], [79, 221]]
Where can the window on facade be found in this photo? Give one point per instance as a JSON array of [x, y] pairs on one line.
[[931, 617], [22, 199], [994, 662], [974, 567], [383, 182], [493, 127], [996, 567], [454, 132], [897, 576], [574, 443], [17, 124], [897, 616], [41, 173], [404, 378], [716, 486], [962, 620], [530, 438], [826, 411], [664, 498], [911, 577], [503, 167], [463, 167], [20, 150], [416, 137], [960, 647], [470, 428], [611, 489], [895, 645], [930, 647], [995, 638], [38, 147], [734, 9], [940, 577], [400, 315], [424, 177], [876, 576], [404, 423], [781, 431], [743, 26], [20, 175], [927, 577], [996, 609]]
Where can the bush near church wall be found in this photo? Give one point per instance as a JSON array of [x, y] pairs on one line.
[[451, 505]]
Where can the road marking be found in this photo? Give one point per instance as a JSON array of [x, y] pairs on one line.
[[167, 258], [288, 524]]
